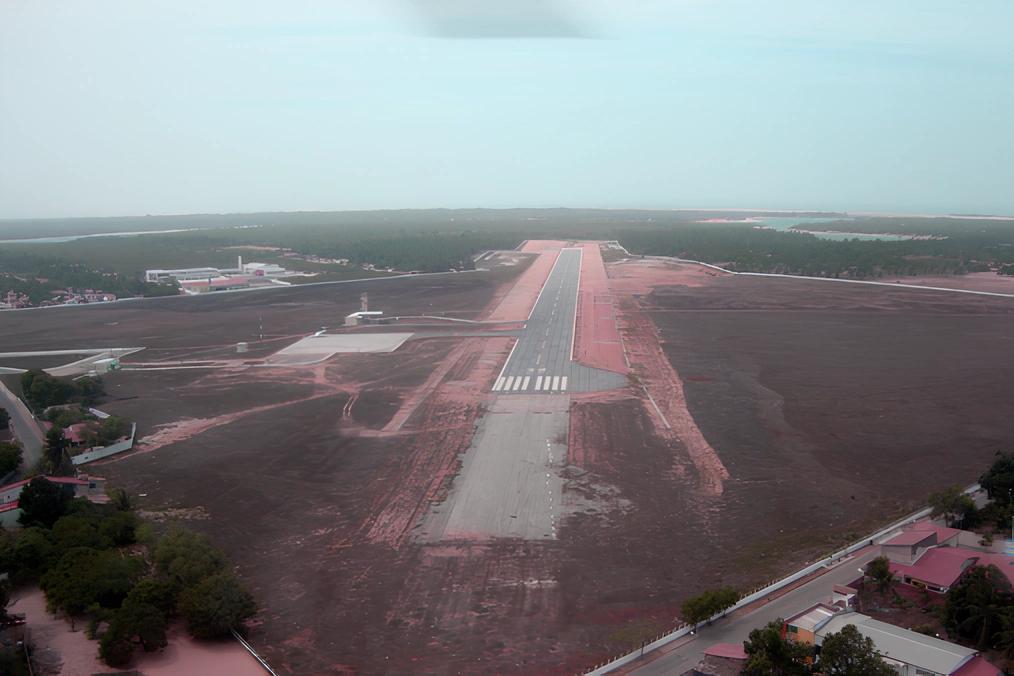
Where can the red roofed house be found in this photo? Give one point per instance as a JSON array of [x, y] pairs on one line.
[[77, 433], [946, 537], [721, 659], [929, 556], [937, 569], [84, 486]]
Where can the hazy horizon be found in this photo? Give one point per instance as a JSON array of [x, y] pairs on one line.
[[121, 109]]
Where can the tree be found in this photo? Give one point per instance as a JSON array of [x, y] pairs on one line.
[[153, 592], [5, 419], [954, 505], [56, 447], [120, 499], [42, 502], [89, 389], [42, 390], [116, 649], [998, 480], [84, 576], [706, 605], [849, 653], [119, 528], [10, 456], [976, 606], [141, 621], [769, 653], [33, 552], [215, 605], [186, 557], [111, 429], [879, 569], [79, 530]]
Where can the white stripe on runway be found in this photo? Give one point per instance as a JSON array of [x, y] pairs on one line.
[[517, 384], [524, 384], [563, 383], [499, 384], [538, 383], [507, 385], [547, 383], [556, 382]]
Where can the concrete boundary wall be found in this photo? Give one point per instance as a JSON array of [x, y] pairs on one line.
[[249, 648], [99, 452], [680, 632]]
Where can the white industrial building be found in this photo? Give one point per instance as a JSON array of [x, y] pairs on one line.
[[180, 274], [161, 276]]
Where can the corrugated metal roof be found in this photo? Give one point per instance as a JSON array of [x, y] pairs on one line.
[[910, 647]]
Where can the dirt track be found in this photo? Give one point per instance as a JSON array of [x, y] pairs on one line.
[[828, 406]]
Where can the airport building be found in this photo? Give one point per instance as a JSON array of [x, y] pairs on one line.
[[180, 274], [199, 280]]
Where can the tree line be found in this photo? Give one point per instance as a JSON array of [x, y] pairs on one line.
[[439, 240]]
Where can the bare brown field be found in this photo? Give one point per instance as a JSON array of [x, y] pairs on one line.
[[834, 405], [785, 415]]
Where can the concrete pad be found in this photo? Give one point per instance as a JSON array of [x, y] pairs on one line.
[[315, 349]]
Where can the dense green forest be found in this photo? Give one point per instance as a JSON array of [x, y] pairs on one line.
[[745, 249], [438, 240]]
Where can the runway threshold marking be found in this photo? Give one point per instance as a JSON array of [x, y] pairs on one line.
[[517, 384], [524, 384], [538, 383], [507, 385], [563, 383], [556, 382], [499, 384]]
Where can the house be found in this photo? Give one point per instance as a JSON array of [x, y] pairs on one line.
[[909, 652], [937, 569], [721, 659], [84, 486], [908, 546], [79, 434], [802, 628]]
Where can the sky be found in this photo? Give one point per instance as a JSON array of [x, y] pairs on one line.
[[120, 107]]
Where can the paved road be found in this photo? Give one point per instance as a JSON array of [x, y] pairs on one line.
[[736, 629], [541, 360], [24, 425]]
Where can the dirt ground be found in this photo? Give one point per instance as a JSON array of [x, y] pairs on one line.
[[834, 406], [789, 415]]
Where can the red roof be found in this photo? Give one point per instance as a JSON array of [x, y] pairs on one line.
[[943, 532], [939, 566], [977, 666], [732, 651], [74, 432], [908, 537], [16, 484], [1002, 561], [54, 479], [66, 480]]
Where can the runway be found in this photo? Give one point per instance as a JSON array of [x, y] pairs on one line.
[[541, 361]]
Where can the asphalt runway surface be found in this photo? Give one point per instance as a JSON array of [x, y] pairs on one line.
[[509, 484], [541, 361]]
